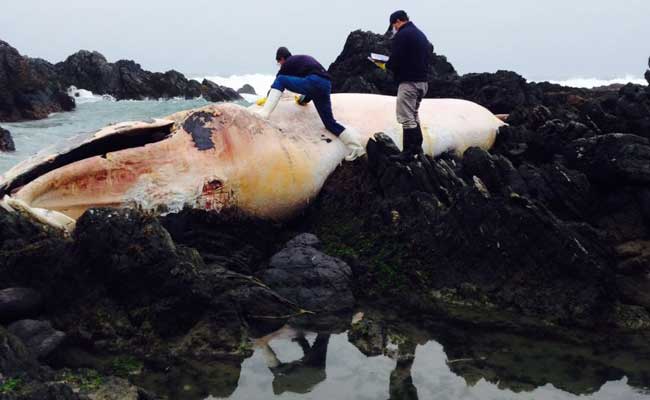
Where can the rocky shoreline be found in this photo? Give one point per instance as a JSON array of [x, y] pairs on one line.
[[32, 88], [546, 234]]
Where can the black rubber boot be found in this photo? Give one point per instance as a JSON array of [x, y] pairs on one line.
[[412, 145], [417, 141]]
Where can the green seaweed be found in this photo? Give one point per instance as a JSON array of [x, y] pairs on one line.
[[86, 380], [10, 385], [124, 366]]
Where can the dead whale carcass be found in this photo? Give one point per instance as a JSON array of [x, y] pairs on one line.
[[224, 155]]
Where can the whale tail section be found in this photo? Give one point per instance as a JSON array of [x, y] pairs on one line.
[[48, 217]]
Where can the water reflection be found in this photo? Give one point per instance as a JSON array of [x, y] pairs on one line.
[[375, 361], [298, 376]]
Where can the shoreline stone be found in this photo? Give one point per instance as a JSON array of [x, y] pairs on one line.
[[6, 141]]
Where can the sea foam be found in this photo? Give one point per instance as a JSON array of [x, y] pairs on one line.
[[595, 82], [82, 96]]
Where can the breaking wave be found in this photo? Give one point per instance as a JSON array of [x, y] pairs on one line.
[[82, 96]]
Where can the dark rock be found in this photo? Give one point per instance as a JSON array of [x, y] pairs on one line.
[[434, 226], [174, 84], [39, 336], [635, 289], [124, 79], [235, 242], [500, 92], [310, 278], [17, 303], [246, 89], [612, 159], [368, 336], [633, 107], [87, 70], [6, 141], [14, 357], [33, 255], [36, 390], [215, 93], [168, 286], [29, 88]]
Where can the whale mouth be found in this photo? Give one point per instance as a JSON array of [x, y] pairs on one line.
[[100, 146]]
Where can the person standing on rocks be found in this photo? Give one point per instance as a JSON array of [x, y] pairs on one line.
[[304, 75], [409, 62]]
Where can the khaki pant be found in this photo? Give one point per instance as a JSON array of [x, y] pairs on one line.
[[409, 97]]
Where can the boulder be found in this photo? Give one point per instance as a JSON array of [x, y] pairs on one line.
[[313, 280], [613, 159], [633, 108], [246, 89], [6, 141], [216, 93], [87, 70], [34, 255], [14, 356], [500, 92], [29, 88], [39, 336], [18, 303], [174, 84], [647, 73]]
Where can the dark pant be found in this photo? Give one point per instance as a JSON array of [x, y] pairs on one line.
[[316, 88]]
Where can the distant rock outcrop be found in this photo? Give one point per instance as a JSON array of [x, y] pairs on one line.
[[124, 79], [29, 88], [213, 92], [647, 73], [6, 141], [246, 89], [34, 88]]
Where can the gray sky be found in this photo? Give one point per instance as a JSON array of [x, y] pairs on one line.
[[549, 39]]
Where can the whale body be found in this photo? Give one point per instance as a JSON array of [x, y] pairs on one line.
[[224, 156]]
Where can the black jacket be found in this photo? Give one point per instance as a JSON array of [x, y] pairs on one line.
[[410, 55], [302, 66]]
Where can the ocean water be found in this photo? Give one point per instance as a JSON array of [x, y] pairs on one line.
[[94, 112]]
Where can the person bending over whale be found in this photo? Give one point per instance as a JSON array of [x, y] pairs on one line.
[[304, 75]]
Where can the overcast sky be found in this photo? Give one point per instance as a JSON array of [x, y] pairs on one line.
[[541, 39]]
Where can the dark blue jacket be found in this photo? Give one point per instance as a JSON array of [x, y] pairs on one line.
[[409, 59], [302, 66]]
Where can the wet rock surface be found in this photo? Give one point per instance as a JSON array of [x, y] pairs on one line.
[[38, 336], [313, 280], [34, 88], [6, 141], [246, 89], [28, 87], [124, 79], [18, 303], [215, 93]]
